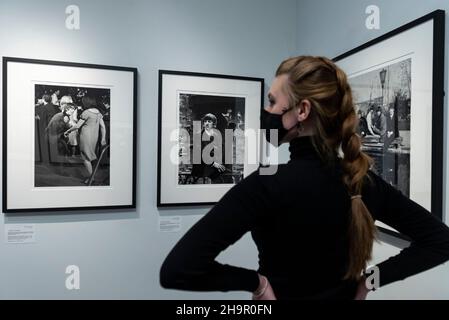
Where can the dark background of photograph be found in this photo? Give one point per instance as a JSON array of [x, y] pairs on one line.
[[103, 96], [194, 107]]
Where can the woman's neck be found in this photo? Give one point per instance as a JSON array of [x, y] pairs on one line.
[[308, 129]]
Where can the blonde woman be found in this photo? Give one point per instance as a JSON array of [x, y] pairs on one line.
[[313, 220]]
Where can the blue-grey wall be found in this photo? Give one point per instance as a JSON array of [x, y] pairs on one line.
[[120, 253], [331, 28]]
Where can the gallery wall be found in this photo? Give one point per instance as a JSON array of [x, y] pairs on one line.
[[317, 23], [119, 253]]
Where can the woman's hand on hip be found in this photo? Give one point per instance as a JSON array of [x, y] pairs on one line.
[[362, 290], [264, 291]]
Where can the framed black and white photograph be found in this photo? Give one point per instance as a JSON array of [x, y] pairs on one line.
[[208, 135], [397, 83], [69, 134]]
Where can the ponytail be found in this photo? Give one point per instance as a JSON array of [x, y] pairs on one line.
[[355, 164], [325, 85]]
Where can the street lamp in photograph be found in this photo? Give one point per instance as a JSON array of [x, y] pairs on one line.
[[383, 75]]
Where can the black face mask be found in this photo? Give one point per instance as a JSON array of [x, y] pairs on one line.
[[270, 121]]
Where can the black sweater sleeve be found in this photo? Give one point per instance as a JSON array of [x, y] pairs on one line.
[[429, 236], [191, 264]]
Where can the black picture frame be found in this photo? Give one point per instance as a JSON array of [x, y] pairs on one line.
[[437, 98], [201, 77], [131, 92]]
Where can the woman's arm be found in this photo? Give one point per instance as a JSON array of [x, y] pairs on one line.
[[430, 237], [191, 265], [78, 125], [103, 132]]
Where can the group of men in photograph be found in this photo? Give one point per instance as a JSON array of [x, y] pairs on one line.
[[380, 123]]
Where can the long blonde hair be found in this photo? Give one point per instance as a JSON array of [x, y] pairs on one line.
[[325, 85]]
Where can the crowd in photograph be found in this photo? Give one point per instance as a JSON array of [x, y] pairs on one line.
[[385, 134], [72, 126], [379, 123]]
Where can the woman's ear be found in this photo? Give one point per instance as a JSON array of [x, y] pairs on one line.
[[303, 110]]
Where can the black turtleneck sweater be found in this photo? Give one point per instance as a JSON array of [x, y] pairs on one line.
[[298, 218]]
